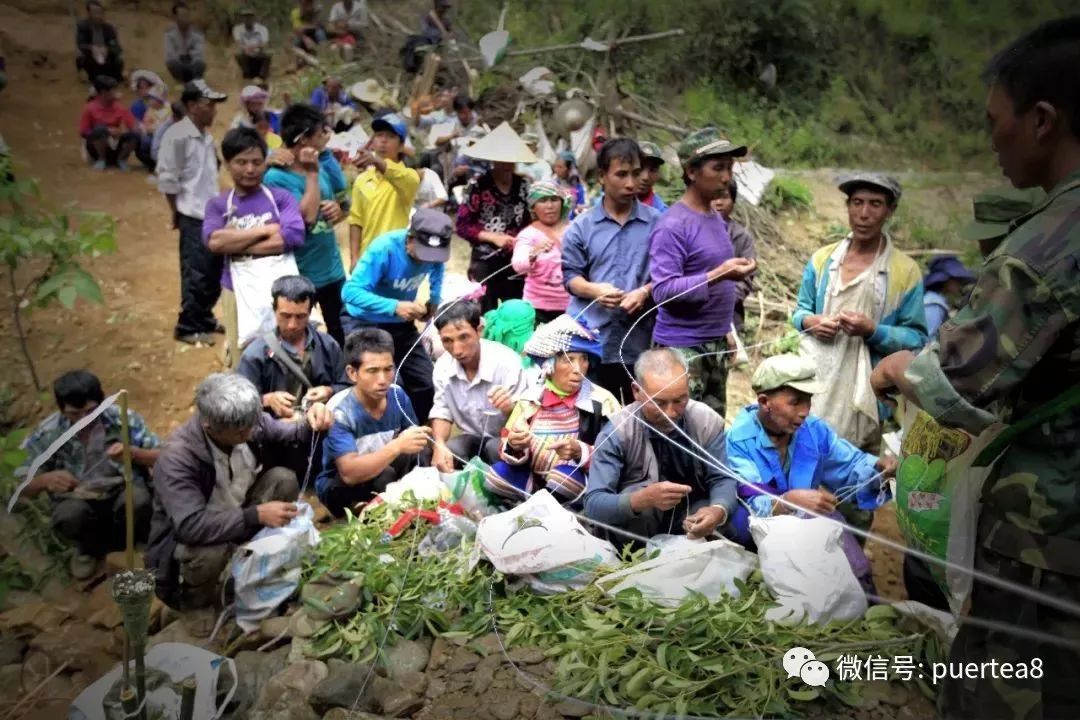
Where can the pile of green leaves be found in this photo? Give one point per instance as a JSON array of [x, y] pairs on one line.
[[704, 658]]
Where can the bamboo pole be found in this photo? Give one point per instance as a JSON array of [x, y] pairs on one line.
[[187, 699], [129, 486], [611, 45]]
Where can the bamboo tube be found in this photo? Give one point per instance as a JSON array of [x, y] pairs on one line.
[[187, 699], [129, 487]]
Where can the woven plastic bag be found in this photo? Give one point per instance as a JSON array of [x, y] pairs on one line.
[[467, 489]]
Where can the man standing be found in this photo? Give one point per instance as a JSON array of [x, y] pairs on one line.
[[605, 256], [476, 381], [382, 293], [185, 47], [212, 491], [1013, 354], [383, 193], [652, 159], [98, 45], [187, 173], [252, 41], [861, 299], [742, 242], [84, 478], [693, 267], [642, 478], [108, 128]]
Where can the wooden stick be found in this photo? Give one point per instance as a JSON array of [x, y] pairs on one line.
[[611, 44], [649, 121]]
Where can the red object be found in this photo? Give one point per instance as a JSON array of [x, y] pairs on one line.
[[96, 114], [599, 137], [550, 399]]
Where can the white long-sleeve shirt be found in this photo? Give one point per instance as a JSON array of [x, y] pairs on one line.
[[187, 167]]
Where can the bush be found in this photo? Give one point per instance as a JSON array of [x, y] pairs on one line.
[[787, 193]]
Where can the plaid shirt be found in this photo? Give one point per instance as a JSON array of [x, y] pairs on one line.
[[72, 455]]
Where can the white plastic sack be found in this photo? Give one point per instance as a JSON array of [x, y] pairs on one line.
[[805, 568], [685, 566], [543, 542], [251, 280], [178, 661], [424, 483], [267, 568]]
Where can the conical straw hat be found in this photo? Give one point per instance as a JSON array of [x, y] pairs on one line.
[[501, 145]]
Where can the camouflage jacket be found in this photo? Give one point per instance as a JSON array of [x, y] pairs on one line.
[[1013, 348]]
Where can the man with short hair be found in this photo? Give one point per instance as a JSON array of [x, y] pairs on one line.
[[185, 47], [652, 160], [605, 256], [246, 224], [1012, 354], [98, 45], [294, 365], [187, 175], [347, 22], [252, 42], [861, 299], [383, 193], [110, 131], [382, 293], [334, 103], [375, 437], [647, 474], [213, 490], [694, 267], [476, 382], [84, 478]]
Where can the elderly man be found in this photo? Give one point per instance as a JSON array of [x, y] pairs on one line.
[[185, 46], [252, 42], [643, 479], [1013, 354], [214, 491], [861, 299], [98, 45], [84, 477], [476, 381]]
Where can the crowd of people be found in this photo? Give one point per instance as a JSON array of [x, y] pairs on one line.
[[612, 394]]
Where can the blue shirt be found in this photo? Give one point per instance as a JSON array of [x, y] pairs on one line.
[[355, 431], [937, 311], [320, 99], [600, 250], [385, 275], [319, 259], [339, 184], [817, 457]]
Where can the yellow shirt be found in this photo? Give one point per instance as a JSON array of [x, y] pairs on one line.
[[381, 202]]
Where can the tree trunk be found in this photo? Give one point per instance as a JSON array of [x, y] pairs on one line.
[[19, 328]]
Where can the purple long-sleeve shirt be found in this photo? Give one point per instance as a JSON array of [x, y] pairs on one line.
[[265, 206], [683, 247]]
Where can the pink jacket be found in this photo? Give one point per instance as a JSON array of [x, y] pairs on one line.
[[543, 277]]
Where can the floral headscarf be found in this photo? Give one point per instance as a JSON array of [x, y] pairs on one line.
[[564, 334], [541, 190]]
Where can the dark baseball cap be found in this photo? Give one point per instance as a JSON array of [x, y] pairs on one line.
[[198, 89], [431, 231]]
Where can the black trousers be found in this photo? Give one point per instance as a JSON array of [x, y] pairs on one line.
[[186, 70], [253, 66], [200, 279], [112, 67], [341, 496], [414, 366], [328, 298], [920, 584], [96, 527], [546, 316], [128, 144]]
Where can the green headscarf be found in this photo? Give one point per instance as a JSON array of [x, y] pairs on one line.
[[511, 324], [544, 189]]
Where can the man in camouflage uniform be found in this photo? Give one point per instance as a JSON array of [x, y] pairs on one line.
[[1013, 349]]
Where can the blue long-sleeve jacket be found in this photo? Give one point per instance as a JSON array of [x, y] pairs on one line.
[[902, 323], [385, 275]]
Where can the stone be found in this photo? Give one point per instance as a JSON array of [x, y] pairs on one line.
[[178, 632], [296, 681], [394, 700], [341, 688], [463, 660], [254, 670], [484, 673], [343, 714], [12, 651], [441, 651], [503, 706], [415, 681], [10, 683], [527, 656], [436, 687], [78, 644], [37, 616], [573, 708], [275, 628], [406, 656], [289, 706], [487, 645]]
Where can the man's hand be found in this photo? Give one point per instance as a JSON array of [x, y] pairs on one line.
[[308, 158], [331, 211], [821, 502], [282, 157], [856, 324], [887, 378], [567, 449], [280, 403], [318, 394], [518, 439], [661, 495], [609, 296], [733, 269], [319, 417], [276, 514], [442, 459], [633, 301], [704, 521], [56, 482], [886, 465], [115, 451], [410, 310], [822, 327], [412, 440], [501, 399]]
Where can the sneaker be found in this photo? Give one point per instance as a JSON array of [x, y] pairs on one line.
[[195, 338], [83, 567], [99, 165]]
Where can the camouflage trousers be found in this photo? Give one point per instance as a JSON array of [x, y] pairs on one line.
[[1052, 691], [708, 373]]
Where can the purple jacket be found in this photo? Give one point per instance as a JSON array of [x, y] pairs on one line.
[[184, 478]]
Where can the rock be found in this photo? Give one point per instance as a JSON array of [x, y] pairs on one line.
[[177, 632], [504, 706], [484, 673], [341, 688], [436, 687], [487, 645], [440, 654], [394, 700], [12, 651], [415, 681], [18, 598], [573, 708], [296, 681], [254, 670], [10, 683], [526, 656], [406, 656], [82, 647], [463, 660], [37, 616], [343, 714], [289, 706], [274, 628]]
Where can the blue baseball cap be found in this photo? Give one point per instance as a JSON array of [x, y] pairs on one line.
[[393, 123]]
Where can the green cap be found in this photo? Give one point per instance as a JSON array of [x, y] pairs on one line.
[[707, 142], [996, 209], [849, 183], [788, 370], [651, 151]]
